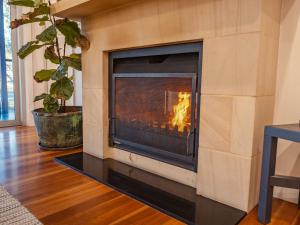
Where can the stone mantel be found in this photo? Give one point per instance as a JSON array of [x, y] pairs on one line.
[[240, 41], [77, 9]]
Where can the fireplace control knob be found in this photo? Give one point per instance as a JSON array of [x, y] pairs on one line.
[[117, 142]]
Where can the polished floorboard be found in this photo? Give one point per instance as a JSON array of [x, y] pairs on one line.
[[57, 195]]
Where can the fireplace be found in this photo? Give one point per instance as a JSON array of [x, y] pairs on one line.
[[154, 102], [240, 43]]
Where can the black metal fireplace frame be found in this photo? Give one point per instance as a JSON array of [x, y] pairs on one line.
[[188, 162]]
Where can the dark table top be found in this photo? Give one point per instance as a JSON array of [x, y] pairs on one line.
[[288, 131], [288, 127]]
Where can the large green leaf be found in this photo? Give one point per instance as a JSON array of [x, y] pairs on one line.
[[43, 75], [47, 35], [42, 23], [42, 9], [50, 104], [62, 89], [40, 97], [18, 22], [39, 14], [74, 61], [61, 71], [27, 3], [28, 49], [69, 29], [82, 42], [51, 55], [37, 3], [75, 56]]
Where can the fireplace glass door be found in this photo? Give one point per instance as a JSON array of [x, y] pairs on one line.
[[154, 102], [155, 112]]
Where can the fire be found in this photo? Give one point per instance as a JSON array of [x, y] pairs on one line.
[[181, 117]]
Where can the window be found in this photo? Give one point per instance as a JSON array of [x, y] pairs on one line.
[[7, 94]]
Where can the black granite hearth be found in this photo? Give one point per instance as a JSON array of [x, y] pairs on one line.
[[175, 199]]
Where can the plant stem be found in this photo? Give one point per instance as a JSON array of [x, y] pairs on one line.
[[63, 105], [57, 49], [65, 45], [53, 21]]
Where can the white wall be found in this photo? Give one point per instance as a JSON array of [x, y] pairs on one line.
[[27, 67], [287, 106]]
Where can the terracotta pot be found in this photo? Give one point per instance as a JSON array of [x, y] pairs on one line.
[[59, 130]]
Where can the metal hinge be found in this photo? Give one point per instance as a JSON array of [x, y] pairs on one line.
[[191, 143]]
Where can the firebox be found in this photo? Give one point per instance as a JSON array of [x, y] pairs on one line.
[[155, 100]]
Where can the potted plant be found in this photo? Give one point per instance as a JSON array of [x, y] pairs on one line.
[[58, 126]]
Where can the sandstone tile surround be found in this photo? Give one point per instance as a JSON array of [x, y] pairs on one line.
[[254, 181], [242, 128], [267, 66], [163, 169], [94, 115], [226, 70], [95, 126], [215, 122], [226, 177], [234, 123], [238, 83], [264, 115], [94, 139]]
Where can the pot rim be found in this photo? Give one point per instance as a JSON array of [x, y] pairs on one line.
[[40, 113]]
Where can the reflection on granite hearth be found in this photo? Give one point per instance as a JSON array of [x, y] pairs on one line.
[[175, 199]]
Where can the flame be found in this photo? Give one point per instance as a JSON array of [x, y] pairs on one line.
[[181, 117]]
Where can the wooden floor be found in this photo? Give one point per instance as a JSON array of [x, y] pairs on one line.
[[58, 195]]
